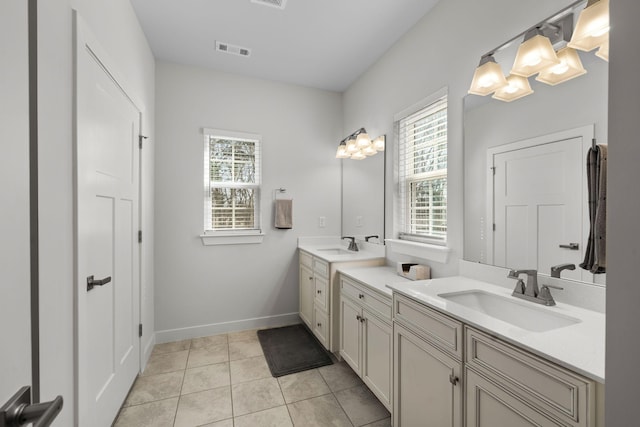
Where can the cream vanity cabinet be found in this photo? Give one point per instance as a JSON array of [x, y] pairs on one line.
[[508, 386], [366, 338], [427, 366], [452, 374], [319, 295]]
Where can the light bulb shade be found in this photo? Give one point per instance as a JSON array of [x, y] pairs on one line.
[[369, 151], [534, 54], [342, 152], [516, 88], [569, 67], [603, 52], [352, 147], [592, 28], [363, 140], [487, 78], [378, 143], [358, 155]]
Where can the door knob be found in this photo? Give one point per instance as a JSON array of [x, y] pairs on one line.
[[91, 282]]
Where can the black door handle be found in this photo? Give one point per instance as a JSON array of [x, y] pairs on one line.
[[19, 411], [91, 282]]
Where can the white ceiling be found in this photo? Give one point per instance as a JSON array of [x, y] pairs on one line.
[[324, 44]]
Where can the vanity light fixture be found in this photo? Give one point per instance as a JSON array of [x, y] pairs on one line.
[[537, 53], [592, 28], [534, 54], [516, 88], [488, 77], [359, 146]]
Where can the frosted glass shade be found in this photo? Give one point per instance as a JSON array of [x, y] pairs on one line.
[[342, 152], [516, 88], [378, 143], [358, 155], [369, 151], [603, 52], [363, 140], [534, 55], [352, 147], [487, 78], [592, 28], [569, 67]]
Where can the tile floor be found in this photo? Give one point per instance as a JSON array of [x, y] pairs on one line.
[[224, 381]]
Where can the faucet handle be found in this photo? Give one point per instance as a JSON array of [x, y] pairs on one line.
[[545, 294]]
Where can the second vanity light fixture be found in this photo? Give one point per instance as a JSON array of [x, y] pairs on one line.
[[536, 54], [359, 146]]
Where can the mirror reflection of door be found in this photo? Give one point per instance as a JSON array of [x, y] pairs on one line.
[[539, 216]]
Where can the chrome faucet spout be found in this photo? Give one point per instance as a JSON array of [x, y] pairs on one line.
[[353, 246]]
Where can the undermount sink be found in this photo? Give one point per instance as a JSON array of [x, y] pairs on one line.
[[335, 251], [522, 314]]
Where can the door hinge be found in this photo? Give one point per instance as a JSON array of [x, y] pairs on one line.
[[453, 379], [139, 236], [493, 168], [494, 227], [140, 330], [140, 138]]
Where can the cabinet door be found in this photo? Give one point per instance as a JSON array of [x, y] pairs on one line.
[[321, 292], [427, 386], [377, 343], [307, 289], [491, 406], [350, 333]]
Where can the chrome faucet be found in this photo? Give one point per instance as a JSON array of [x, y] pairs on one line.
[[353, 246], [556, 269], [530, 291]]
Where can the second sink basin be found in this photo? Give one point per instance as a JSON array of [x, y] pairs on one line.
[[335, 251], [522, 314]]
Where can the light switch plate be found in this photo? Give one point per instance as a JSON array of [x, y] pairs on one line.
[[322, 222]]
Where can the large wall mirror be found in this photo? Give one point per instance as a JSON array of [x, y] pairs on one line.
[[363, 197], [544, 138]]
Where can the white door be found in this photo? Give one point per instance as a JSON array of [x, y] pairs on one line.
[[107, 224], [538, 193], [15, 356]]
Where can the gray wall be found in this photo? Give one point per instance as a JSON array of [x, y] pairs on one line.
[[207, 289], [623, 203], [116, 28]]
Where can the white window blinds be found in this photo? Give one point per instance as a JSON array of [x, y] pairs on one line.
[[422, 171], [232, 181]]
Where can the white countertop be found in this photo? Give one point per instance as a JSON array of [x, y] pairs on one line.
[[319, 250], [579, 347], [375, 278]]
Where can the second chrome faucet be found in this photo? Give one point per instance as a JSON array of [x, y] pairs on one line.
[[530, 291]]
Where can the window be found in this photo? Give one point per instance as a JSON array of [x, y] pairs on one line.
[[422, 173], [232, 183]]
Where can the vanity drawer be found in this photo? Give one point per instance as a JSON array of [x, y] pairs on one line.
[[321, 267], [440, 330], [366, 297], [322, 292], [546, 386], [306, 259], [321, 326]]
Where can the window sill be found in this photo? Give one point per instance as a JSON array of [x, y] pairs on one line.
[[419, 250], [231, 239]]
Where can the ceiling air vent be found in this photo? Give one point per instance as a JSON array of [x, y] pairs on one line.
[[232, 49], [280, 4]]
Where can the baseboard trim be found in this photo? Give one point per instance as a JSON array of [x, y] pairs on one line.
[[146, 352], [170, 335]]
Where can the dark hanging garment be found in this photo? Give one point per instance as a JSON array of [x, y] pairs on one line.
[[595, 257]]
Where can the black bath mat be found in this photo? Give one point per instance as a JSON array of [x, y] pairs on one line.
[[292, 349]]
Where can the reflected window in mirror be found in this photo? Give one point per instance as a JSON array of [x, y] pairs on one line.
[[422, 172]]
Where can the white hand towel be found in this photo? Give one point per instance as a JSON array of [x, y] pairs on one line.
[[284, 213]]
